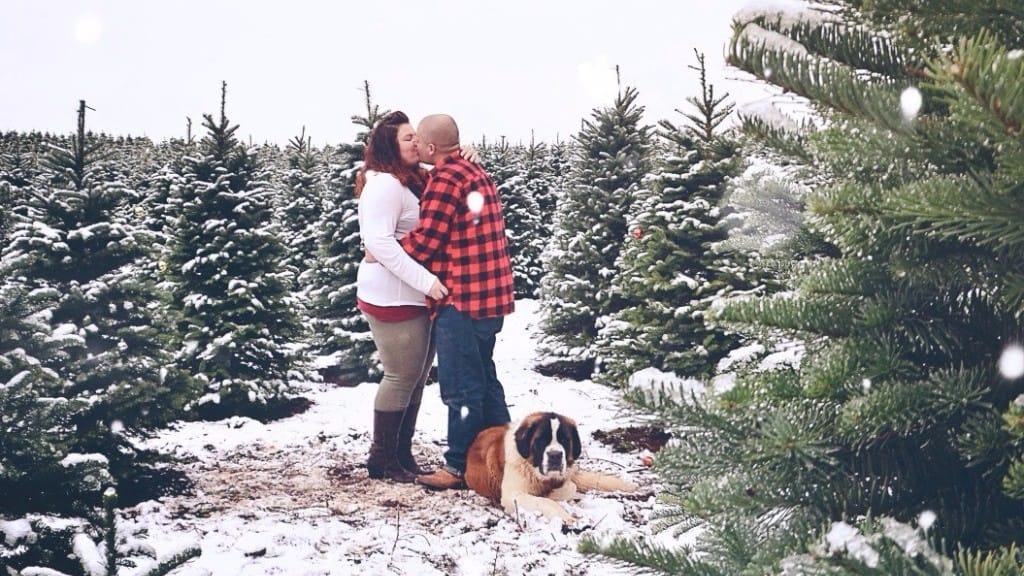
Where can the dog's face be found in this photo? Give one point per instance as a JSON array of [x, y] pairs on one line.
[[550, 442]]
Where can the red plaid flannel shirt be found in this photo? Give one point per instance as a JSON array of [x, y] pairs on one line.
[[468, 252]]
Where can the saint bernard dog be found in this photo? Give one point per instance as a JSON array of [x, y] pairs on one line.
[[532, 465]]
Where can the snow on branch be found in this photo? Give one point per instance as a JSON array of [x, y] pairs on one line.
[[766, 111], [758, 36], [788, 13]]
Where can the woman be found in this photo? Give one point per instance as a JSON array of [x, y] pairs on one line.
[[390, 292]]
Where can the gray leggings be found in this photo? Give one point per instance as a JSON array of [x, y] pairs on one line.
[[406, 351]]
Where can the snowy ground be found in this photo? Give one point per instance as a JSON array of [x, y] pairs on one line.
[[292, 497]]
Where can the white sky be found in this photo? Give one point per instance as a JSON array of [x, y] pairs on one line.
[[498, 68]]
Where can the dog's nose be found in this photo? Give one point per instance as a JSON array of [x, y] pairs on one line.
[[554, 459]]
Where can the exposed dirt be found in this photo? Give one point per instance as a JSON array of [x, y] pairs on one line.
[[570, 369], [266, 413], [651, 438]]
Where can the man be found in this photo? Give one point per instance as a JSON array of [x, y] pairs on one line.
[[461, 239]]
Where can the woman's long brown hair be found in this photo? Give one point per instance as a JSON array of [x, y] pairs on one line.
[[382, 155]]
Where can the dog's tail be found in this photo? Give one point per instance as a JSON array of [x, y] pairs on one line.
[[587, 480]]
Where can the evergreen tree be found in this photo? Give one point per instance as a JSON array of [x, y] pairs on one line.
[[367, 122], [672, 267], [509, 167], [37, 428], [576, 293], [897, 411], [57, 546], [17, 166], [539, 184], [931, 27], [82, 243], [36, 432], [82, 367], [769, 202], [238, 318], [767, 222], [343, 336], [558, 165], [302, 208], [6, 211], [162, 205], [160, 208]]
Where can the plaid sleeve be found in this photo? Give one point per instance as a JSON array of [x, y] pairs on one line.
[[438, 209]]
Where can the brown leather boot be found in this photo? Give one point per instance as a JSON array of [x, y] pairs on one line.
[[383, 460], [442, 479], [405, 457]]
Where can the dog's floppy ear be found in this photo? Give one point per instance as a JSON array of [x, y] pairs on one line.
[[577, 446], [574, 436], [525, 434]]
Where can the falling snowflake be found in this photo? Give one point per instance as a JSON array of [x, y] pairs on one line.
[[475, 201], [926, 520], [1011, 362], [910, 103]]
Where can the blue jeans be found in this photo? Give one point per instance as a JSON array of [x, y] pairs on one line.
[[468, 380]]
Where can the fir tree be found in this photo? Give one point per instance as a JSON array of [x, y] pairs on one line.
[[343, 336], [576, 293], [672, 267], [6, 211], [510, 169], [82, 367], [84, 244], [558, 165], [540, 186], [74, 546], [238, 319], [162, 205], [35, 430], [17, 166], [932, 26], [367, 122], [897, 410], [36, 424], [302, 207]]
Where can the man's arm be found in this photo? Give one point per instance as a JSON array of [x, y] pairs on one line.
[[438, 208]]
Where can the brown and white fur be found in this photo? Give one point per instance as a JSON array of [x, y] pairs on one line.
[[532, 466]]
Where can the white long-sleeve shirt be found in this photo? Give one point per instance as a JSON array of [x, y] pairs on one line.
[[387, 212]]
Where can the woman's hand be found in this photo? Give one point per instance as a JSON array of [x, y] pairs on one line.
[[470, 153], [437, 290]]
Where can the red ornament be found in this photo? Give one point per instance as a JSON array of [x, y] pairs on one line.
[[637, 233], [647, 460]]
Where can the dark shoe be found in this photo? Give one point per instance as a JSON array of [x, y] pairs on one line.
[[442, 479], [383, 460], [405, 457]]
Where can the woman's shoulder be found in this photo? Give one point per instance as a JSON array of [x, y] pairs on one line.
[[385, 176], [381, 181]]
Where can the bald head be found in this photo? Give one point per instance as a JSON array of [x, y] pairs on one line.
[[438, 135]]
